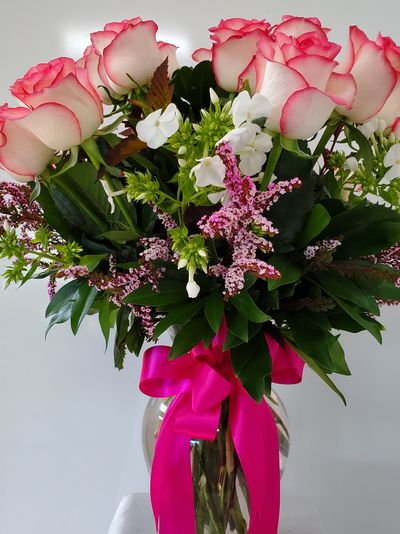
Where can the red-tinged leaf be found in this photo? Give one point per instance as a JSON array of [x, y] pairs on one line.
[[160, 91], [127, 147]]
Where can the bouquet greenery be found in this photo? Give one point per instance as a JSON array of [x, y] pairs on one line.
[[260, 190]]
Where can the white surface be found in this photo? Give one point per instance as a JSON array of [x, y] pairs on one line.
[[134, 516], [70, 443]]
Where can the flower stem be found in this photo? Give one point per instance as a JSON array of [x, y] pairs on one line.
[[125, 211], [272, 162]]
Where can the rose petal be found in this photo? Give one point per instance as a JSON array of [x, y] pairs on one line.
[[133, 52], [315, 69], [54, 125], [169, 51], [23, 154], [342, 88], [296, 26], [202, 54], [279, 83], [74, 96], [100, 40], [357, 38], [375, 79], [305, 112], [396, 128], [391, 110], [232, 57]]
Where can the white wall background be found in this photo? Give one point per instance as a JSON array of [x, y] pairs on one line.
[[70, 424]]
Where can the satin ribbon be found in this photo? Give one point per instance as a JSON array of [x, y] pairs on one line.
[[200, 381]]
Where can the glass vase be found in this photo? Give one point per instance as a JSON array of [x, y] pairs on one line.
[[219, 485]]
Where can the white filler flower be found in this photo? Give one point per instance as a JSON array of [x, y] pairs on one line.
[[192, 287], [392, 162], [247, 109], [159, 126], [209, 171], [251, 145]]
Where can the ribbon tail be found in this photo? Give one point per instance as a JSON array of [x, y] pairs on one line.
[[171, 477], [256, 440]]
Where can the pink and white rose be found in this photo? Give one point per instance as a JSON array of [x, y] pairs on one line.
[[235, 27], [293, 65], [22, 154], [126, 54], [375, 67], [390, 113], [62, 85]]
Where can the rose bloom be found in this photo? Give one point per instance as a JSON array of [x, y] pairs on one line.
[[62, 83], [22, 155], [375, 66], [292, 64], [63, 109], [126, 54]]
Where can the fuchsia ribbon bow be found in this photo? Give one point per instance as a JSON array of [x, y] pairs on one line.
[[200, 381]]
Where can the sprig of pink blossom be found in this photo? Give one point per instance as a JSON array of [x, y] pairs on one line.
[[242, 224]]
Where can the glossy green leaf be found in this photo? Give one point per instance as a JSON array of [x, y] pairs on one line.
[[238, 325], [181, 315], [214, 310], [289, 271], [66, 294], [246, 305], [312, 364], [316, 222], [252, 364], [194, 331], [343, 287], [105, 318], [82, 305], [92, 261]]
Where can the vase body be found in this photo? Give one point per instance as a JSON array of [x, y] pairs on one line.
[[219, 485]]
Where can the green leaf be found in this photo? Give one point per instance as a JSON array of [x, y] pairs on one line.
[[298, 204], [311, 338], [214, 310], [317, 221], [343, 287], [369, 239], [338, 357], [66, 294], [365, 150], [289, 271], [238, 325], [121, 331], [359, 215], [194, 331], [92, 261], [372, 326], [105, 318], [252, 365], [82, 305], [135, 338], [292, 145], [35, 191], [383, 289], [320, 372], [170, 293], [120, 236], [246, 305], [181, 315]]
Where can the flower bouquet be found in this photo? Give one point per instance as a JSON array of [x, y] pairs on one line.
[[250, 202]]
